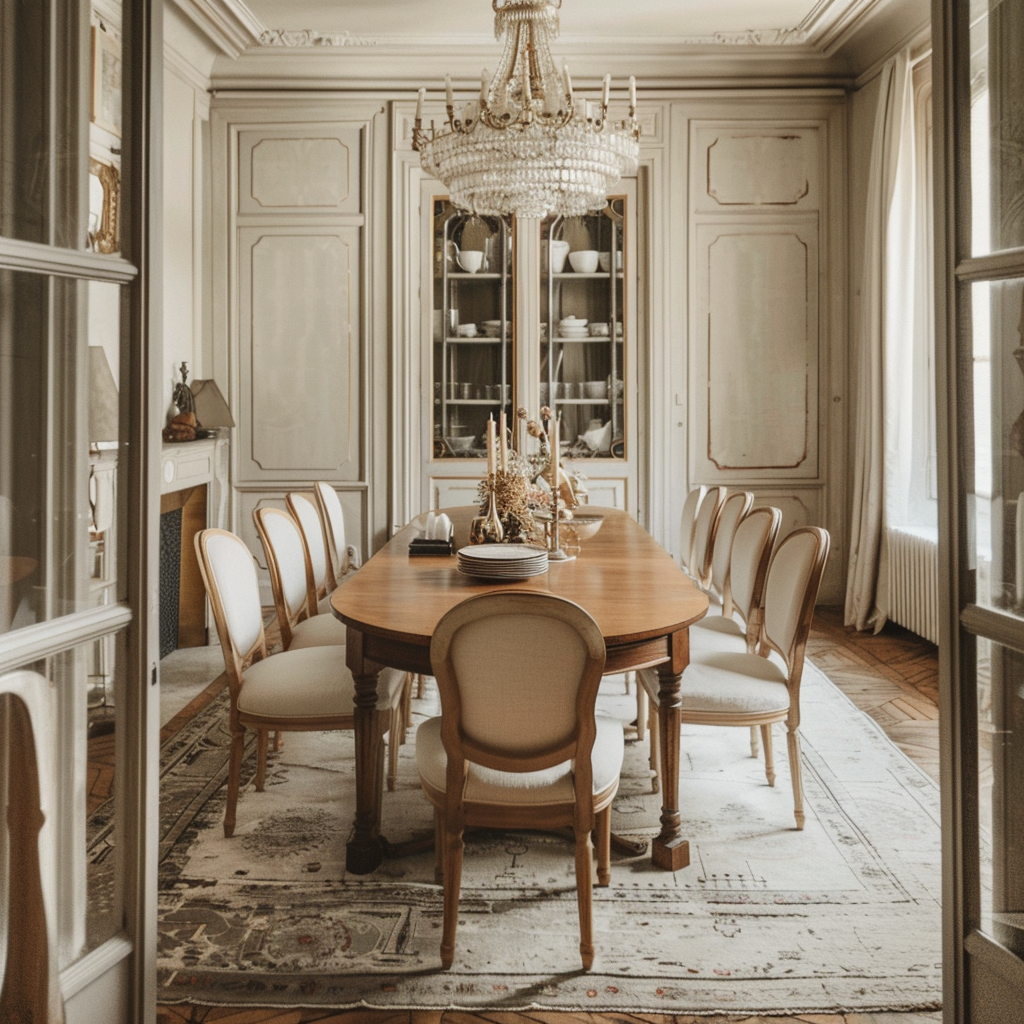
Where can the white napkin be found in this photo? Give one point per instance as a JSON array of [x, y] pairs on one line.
[[440, 528]]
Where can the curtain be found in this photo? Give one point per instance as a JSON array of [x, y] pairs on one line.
[[883, 349]]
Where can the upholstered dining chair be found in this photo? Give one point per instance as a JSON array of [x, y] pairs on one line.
[[303, 690], [517, 744], [687, 519], [743, 688], [735, 506], [705, 529], [290, 583], [342, 557], [302, 506]]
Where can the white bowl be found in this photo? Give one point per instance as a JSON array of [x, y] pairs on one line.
[[583, 261], [572, 321], [597, 389], [598, 330], [466, 330]]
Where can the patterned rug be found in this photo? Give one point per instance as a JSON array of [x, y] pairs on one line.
[[843, 916]]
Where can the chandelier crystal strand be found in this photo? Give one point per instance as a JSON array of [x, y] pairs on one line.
[[523, 148]]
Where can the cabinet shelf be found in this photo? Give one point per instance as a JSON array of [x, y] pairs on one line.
[[480, 275], [453, 340]]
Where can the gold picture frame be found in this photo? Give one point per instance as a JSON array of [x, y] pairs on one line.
[[106, 81], [105, 237]]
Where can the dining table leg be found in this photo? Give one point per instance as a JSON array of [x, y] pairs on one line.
[[670, 850], [365, 849]]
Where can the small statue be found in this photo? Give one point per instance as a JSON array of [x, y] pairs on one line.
[[183, 426]]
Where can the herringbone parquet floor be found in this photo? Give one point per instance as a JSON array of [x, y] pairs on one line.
[[892, 676]]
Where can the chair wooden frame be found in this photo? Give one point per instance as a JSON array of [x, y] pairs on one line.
[[705, 529], [453, 813], [735, 506], [793, 659], [237, 661]]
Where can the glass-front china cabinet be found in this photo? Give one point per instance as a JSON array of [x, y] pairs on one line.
[[472, 328], [528, 314]]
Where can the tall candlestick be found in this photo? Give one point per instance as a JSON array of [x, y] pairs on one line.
[[503, 443], [553, 437], [449, 97], [419, 105], [490, 447]]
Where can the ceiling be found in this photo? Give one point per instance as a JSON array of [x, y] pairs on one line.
[[677, 20], [400, 44]]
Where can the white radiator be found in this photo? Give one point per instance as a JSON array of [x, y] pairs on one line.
[[913, 579]]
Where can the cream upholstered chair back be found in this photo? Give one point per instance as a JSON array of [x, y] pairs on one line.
[[687, 521], [286, 560], [791, 590], [229, 573], [304, 511], [734, 508], [704, 534], [752, 547], [518, 677], [332, 519]]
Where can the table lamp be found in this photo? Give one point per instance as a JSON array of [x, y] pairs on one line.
[[104, 405], [210, 406]]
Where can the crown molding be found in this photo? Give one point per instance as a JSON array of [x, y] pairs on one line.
[[228, 24]]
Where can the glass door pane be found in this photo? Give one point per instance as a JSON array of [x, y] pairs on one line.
[[582, 329], [472, 328], [998, 418]]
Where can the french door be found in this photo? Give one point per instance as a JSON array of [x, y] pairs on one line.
[[980, 358], [79, 105]]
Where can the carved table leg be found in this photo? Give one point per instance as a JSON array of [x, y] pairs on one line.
[[365, 850], [669, 849]]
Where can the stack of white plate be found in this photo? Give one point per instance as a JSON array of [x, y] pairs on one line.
[[502, 561]]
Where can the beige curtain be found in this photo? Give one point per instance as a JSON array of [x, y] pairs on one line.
[[882, 346]]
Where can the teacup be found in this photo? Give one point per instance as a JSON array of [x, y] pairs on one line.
[[471, 260]]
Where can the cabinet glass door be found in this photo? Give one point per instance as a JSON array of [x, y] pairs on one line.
[[582, 329], [472, 348]]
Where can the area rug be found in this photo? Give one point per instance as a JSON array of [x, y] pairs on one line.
[[843, 916]]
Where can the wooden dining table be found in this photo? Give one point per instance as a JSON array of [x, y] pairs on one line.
[[639, 597]]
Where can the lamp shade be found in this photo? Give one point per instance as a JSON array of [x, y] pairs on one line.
[[104, 406], [211, 409]]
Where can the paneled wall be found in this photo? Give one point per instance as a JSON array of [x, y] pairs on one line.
[[765, 360], [294, 332]]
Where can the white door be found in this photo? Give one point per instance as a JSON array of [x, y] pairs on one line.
[[78, 716]]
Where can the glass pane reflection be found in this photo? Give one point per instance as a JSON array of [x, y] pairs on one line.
[[997, 126], [998, 397], [24, 121], [1001, 792]]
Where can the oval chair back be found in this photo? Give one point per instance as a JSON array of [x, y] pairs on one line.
[[734, 508], [687, 520], [229, 573], [289, 571], [790, 592], [704, 534], [752, 548], [303, 509], [332, 520]]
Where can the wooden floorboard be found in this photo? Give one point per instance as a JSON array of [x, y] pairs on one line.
[[892, 676]]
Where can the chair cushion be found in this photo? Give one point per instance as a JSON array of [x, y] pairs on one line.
[[715, 633], [319, 631], [727, 683], [550, 786], [309, 683]]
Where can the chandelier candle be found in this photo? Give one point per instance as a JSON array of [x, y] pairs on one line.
[[524, 148]]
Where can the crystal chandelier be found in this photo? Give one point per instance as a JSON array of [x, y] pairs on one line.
[[524, 147]]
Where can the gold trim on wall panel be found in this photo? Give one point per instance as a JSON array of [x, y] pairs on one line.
[[759, 371], [308, 168], [759, 166], [300, 320]]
